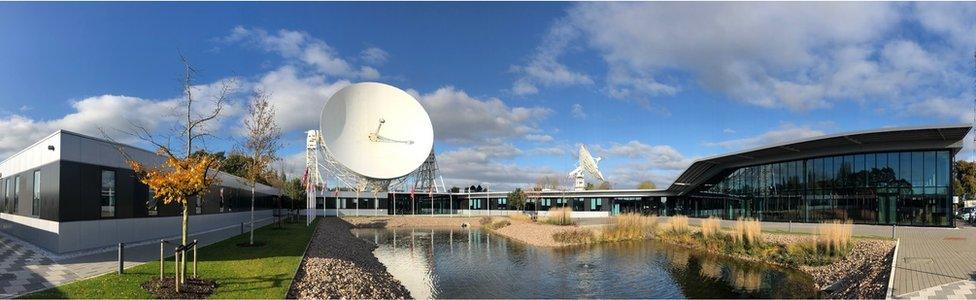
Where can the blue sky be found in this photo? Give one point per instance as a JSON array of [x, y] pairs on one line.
[[512, 88]]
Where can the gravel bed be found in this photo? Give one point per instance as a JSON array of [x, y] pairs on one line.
[[412, 221], [534, 233], [339, 265], [862, 274]]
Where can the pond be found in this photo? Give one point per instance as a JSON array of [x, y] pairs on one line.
[[471, 263]]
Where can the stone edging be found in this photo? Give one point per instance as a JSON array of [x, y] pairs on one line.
[[294, 276], [891, 277]]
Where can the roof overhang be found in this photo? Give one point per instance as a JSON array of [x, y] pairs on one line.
[[886, 139]]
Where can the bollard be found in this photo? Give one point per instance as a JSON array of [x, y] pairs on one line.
[[121, 257], [790, 230], [242, 228], [892, 231], [161, 262], [194, 258]]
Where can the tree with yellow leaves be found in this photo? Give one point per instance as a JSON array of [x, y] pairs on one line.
[[183, 176]]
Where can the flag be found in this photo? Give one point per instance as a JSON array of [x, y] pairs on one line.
[[411, 193], [305, 179], [430, 193]]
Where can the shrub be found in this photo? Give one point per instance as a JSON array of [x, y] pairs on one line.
[[679, 225], [834, 238], [574, 236], [711, 228], [747, 232], [560, 216], [521, 217], [486, 220], [498, 224]]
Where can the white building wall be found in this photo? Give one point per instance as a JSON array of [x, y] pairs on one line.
[[33, 156]]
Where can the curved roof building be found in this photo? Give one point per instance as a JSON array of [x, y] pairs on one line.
[[885, 176]]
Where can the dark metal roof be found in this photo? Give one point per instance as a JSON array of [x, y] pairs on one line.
[[886, 139]]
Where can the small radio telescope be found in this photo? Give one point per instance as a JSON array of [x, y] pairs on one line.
[[587, 164], [371, 134]]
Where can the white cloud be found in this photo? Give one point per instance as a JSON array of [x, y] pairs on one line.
[[300, 46], [114, 114], [544, 68], [578, 111], [539, 138], [662, 157], [728, 130], [374, 56], [798, 56], [785, 132], [460, 118], [298, 100], [491, 163]]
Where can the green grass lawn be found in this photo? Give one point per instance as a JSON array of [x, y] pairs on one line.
[[261, 272]]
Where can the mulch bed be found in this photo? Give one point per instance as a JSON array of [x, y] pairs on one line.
[[194, 288]]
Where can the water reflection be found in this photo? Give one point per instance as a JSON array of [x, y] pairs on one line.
[[470, 263]]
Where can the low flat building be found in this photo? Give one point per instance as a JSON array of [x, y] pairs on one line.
[[71, 192]]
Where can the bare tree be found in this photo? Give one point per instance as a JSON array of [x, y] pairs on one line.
[[261, 143], [182, 176]]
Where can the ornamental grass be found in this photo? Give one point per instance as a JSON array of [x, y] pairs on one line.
[[747, 232], [834, 238], [560, 216], [679, 225], [711, 228]]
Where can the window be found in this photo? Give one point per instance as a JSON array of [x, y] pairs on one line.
[[16, 193], [108, 194], [36, 200], [6, 196], [151, 205], [930, 169], [942, 169]]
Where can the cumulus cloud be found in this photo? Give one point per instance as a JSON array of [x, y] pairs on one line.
[[298, 99], [539, 138], [300, 46], [785, 132], [578, 111], [544, 68], [798, 56], [491, 163], [662, 157], [460, 118], [374, 55]]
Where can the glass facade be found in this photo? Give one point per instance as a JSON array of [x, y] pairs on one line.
[[907, 188]]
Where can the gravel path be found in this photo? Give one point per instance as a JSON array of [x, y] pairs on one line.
[[412, 221], [339, 265], [863, 274]]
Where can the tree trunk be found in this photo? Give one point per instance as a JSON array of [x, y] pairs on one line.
[[252, 214], [186, 224]]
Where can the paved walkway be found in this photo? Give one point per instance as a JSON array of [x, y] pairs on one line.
[[927, 256], [25, 268]]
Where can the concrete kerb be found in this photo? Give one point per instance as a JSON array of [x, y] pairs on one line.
[[891, 276]]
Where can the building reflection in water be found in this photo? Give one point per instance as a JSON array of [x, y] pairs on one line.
[[443, 263]]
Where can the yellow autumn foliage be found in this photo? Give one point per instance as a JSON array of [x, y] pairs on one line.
[[178, 179]]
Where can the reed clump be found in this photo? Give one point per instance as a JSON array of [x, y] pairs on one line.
[[679, 225], [711, 228], [575, 236], [834, 238], [630, 226], [560, 216], [747, 232]]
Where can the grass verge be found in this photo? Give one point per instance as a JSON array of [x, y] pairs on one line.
[[261, 272]]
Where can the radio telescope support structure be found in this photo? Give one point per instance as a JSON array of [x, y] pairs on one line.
[[313, 178], [425, 178], [587, 164]]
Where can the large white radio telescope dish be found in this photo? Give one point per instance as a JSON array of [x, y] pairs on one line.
[[376, 130]]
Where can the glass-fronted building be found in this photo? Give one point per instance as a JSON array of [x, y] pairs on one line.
[[910, 188], [890, 176]]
